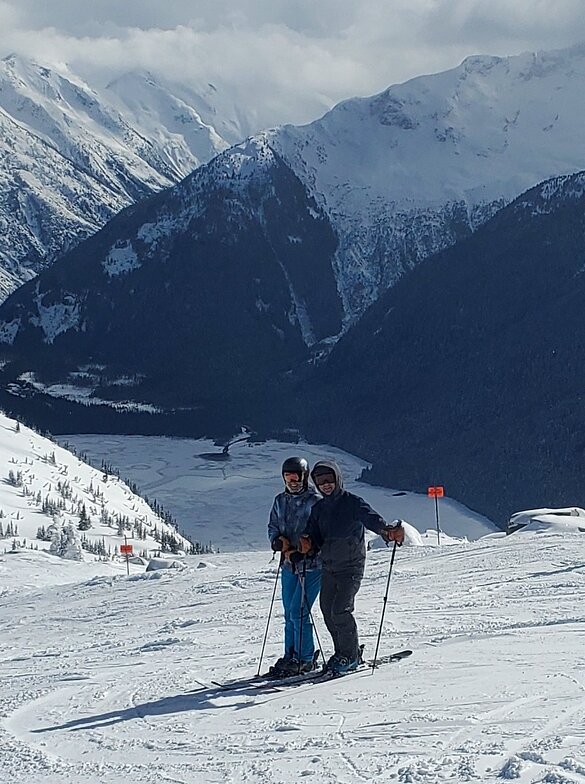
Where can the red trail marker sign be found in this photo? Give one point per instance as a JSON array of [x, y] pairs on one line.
[[436, 492], [126, 549]]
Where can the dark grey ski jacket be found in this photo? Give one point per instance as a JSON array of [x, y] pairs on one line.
[[336, 526], [288, 517]]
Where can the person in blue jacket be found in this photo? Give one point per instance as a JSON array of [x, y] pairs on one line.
[[335, 531], [300, 582]]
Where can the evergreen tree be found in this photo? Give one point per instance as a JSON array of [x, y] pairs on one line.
[[66, 543], [84, 521], [57, 542], [72, 544]]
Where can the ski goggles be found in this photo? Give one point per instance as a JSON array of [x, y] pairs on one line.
[[325, 479]]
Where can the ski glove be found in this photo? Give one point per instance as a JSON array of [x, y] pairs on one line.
[[294, 557], [393, 533], [280, 544], [305, 544]]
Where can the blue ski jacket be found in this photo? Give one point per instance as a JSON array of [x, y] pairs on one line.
[[288, 517]]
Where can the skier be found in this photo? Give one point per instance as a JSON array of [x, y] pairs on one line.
[[335, 531], [300, 582]]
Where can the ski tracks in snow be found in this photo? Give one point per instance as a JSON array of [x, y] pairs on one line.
[[108, 681]]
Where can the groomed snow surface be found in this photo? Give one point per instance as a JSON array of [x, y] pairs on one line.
[[108, 678]]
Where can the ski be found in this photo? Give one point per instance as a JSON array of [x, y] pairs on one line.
[[316, 676], [324, 676], [259, 681], [265, 679]]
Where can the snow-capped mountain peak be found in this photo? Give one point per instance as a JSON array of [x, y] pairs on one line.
[[404, 173], [73, 154]]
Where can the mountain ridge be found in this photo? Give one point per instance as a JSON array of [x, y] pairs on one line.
[[72, 155]]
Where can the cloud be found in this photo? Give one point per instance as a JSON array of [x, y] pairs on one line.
[[287, 59]]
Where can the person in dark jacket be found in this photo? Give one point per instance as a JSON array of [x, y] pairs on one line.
[[336, 530], [300, 582]]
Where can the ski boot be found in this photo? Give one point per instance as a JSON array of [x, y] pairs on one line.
[[282, 667], [339, 665]]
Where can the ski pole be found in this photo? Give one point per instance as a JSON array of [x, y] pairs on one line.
[[316, 633], [270, 614], [384, 607], [302, 611]]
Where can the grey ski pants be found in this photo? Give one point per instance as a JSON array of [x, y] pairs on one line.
[[338, 591]]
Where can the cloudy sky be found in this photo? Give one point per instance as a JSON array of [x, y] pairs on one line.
[[289, 59]]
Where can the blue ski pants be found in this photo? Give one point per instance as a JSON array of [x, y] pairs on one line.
[[296, 611]]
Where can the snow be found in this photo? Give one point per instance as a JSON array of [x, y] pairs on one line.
[[9, 330], [43, 483], [400, 162], [569, 518], [57, 317], [74, 154], [121, 260], [109, 678], [84, 393]]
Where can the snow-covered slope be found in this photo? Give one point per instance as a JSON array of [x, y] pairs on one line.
[[110, 680], [188, 125], [72, 155], [45, 486]]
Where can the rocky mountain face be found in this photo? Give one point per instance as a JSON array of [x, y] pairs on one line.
[[209, 283], [399, 175], [470, 371], [72, 156]]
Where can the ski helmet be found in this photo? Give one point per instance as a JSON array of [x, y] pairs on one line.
[[297, 465]]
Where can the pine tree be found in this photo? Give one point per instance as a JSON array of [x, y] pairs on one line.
[[84, 521], [57, 542]]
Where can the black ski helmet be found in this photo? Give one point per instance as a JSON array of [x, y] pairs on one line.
[[297, 465]]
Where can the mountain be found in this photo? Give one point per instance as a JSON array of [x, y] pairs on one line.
[[211, 296], [73, 155], [414, 169], [470, 371], [210, 288]]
